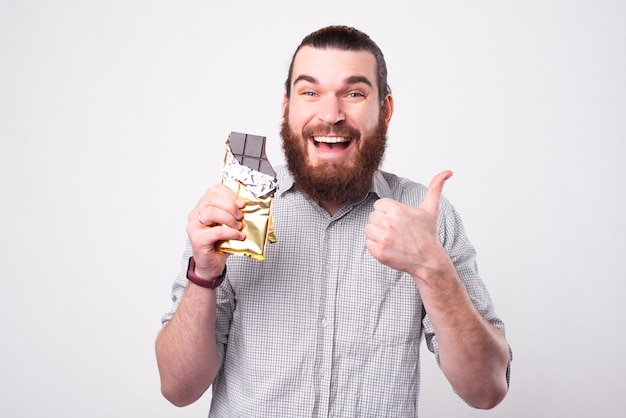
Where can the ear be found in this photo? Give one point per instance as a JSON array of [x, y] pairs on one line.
[[285, 102], [387, 108]]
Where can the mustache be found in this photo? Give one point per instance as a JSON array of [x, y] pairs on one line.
[[339, 129]]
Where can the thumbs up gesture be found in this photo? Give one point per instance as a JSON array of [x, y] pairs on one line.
[[405, 237]]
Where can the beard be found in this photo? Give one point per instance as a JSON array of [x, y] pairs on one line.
[[331, 181]]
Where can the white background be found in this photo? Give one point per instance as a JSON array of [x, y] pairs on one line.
[[113, 116]]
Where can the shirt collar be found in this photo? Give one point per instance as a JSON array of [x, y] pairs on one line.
[[380, 186], [285, 181]]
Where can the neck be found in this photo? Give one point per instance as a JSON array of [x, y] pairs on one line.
[[330, 207]]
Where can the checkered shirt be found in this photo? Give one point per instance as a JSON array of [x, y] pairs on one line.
[[320, 328]]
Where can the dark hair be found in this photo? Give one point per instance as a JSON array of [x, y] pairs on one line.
[[348, 39]]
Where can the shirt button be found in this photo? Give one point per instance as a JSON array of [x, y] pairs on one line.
[[325, 322]]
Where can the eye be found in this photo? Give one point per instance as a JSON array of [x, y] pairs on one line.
[[355, 95]]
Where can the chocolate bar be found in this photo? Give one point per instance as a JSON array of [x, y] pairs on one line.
[[248, 173], [249, 150]]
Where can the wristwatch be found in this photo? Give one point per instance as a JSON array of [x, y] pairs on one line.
[[209, 284]]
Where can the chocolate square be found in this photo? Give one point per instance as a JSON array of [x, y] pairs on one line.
[[249, 150]]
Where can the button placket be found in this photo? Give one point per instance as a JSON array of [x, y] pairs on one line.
[[327, 319]]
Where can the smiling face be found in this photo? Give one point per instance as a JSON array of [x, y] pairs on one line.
[[334, 124]]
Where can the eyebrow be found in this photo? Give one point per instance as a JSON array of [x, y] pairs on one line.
[[355, 79]]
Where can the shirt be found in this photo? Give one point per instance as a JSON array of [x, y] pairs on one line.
[[320, 328]]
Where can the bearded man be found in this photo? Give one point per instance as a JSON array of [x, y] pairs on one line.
[[366, 263]]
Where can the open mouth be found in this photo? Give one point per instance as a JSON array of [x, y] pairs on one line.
[[330, 142]]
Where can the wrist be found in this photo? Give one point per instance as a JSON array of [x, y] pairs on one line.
[[206, 283]]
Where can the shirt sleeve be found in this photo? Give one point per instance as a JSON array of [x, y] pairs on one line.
[[179, 285], [224, 301]]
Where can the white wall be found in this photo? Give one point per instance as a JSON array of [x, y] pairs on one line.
[[112, 120]]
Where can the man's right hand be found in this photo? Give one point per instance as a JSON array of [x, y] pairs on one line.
[[217, 217]]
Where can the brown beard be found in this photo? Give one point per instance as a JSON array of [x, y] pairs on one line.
[[332, 182]]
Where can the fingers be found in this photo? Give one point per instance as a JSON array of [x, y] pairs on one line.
[[220, 205], [433, 195], [220, 195], [216, 217]]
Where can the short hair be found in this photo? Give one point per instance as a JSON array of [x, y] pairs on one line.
[[348, 39]]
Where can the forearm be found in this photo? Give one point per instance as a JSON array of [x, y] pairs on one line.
[[474, 357], [186, 347], [473, 353]]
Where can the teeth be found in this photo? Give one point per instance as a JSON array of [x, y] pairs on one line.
[[331, 139]]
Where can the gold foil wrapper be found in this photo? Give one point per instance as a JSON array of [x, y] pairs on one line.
[[257, 191]]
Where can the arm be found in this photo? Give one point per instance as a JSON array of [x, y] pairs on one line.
[[186, 347], [473, 353]]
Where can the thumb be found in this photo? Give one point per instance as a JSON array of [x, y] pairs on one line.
[[433, 195]]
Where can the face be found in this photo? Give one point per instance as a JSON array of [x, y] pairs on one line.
[[334, 124]]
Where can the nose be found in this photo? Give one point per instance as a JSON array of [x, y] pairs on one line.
[[330, 110]]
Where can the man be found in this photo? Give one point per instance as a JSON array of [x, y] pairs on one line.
[[365, 263]]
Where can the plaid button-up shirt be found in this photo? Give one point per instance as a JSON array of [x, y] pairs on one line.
[[320, 328]]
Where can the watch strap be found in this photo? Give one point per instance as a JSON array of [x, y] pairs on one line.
[[194, 278]]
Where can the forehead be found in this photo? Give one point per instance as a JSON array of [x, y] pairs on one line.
[[331, 64]]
